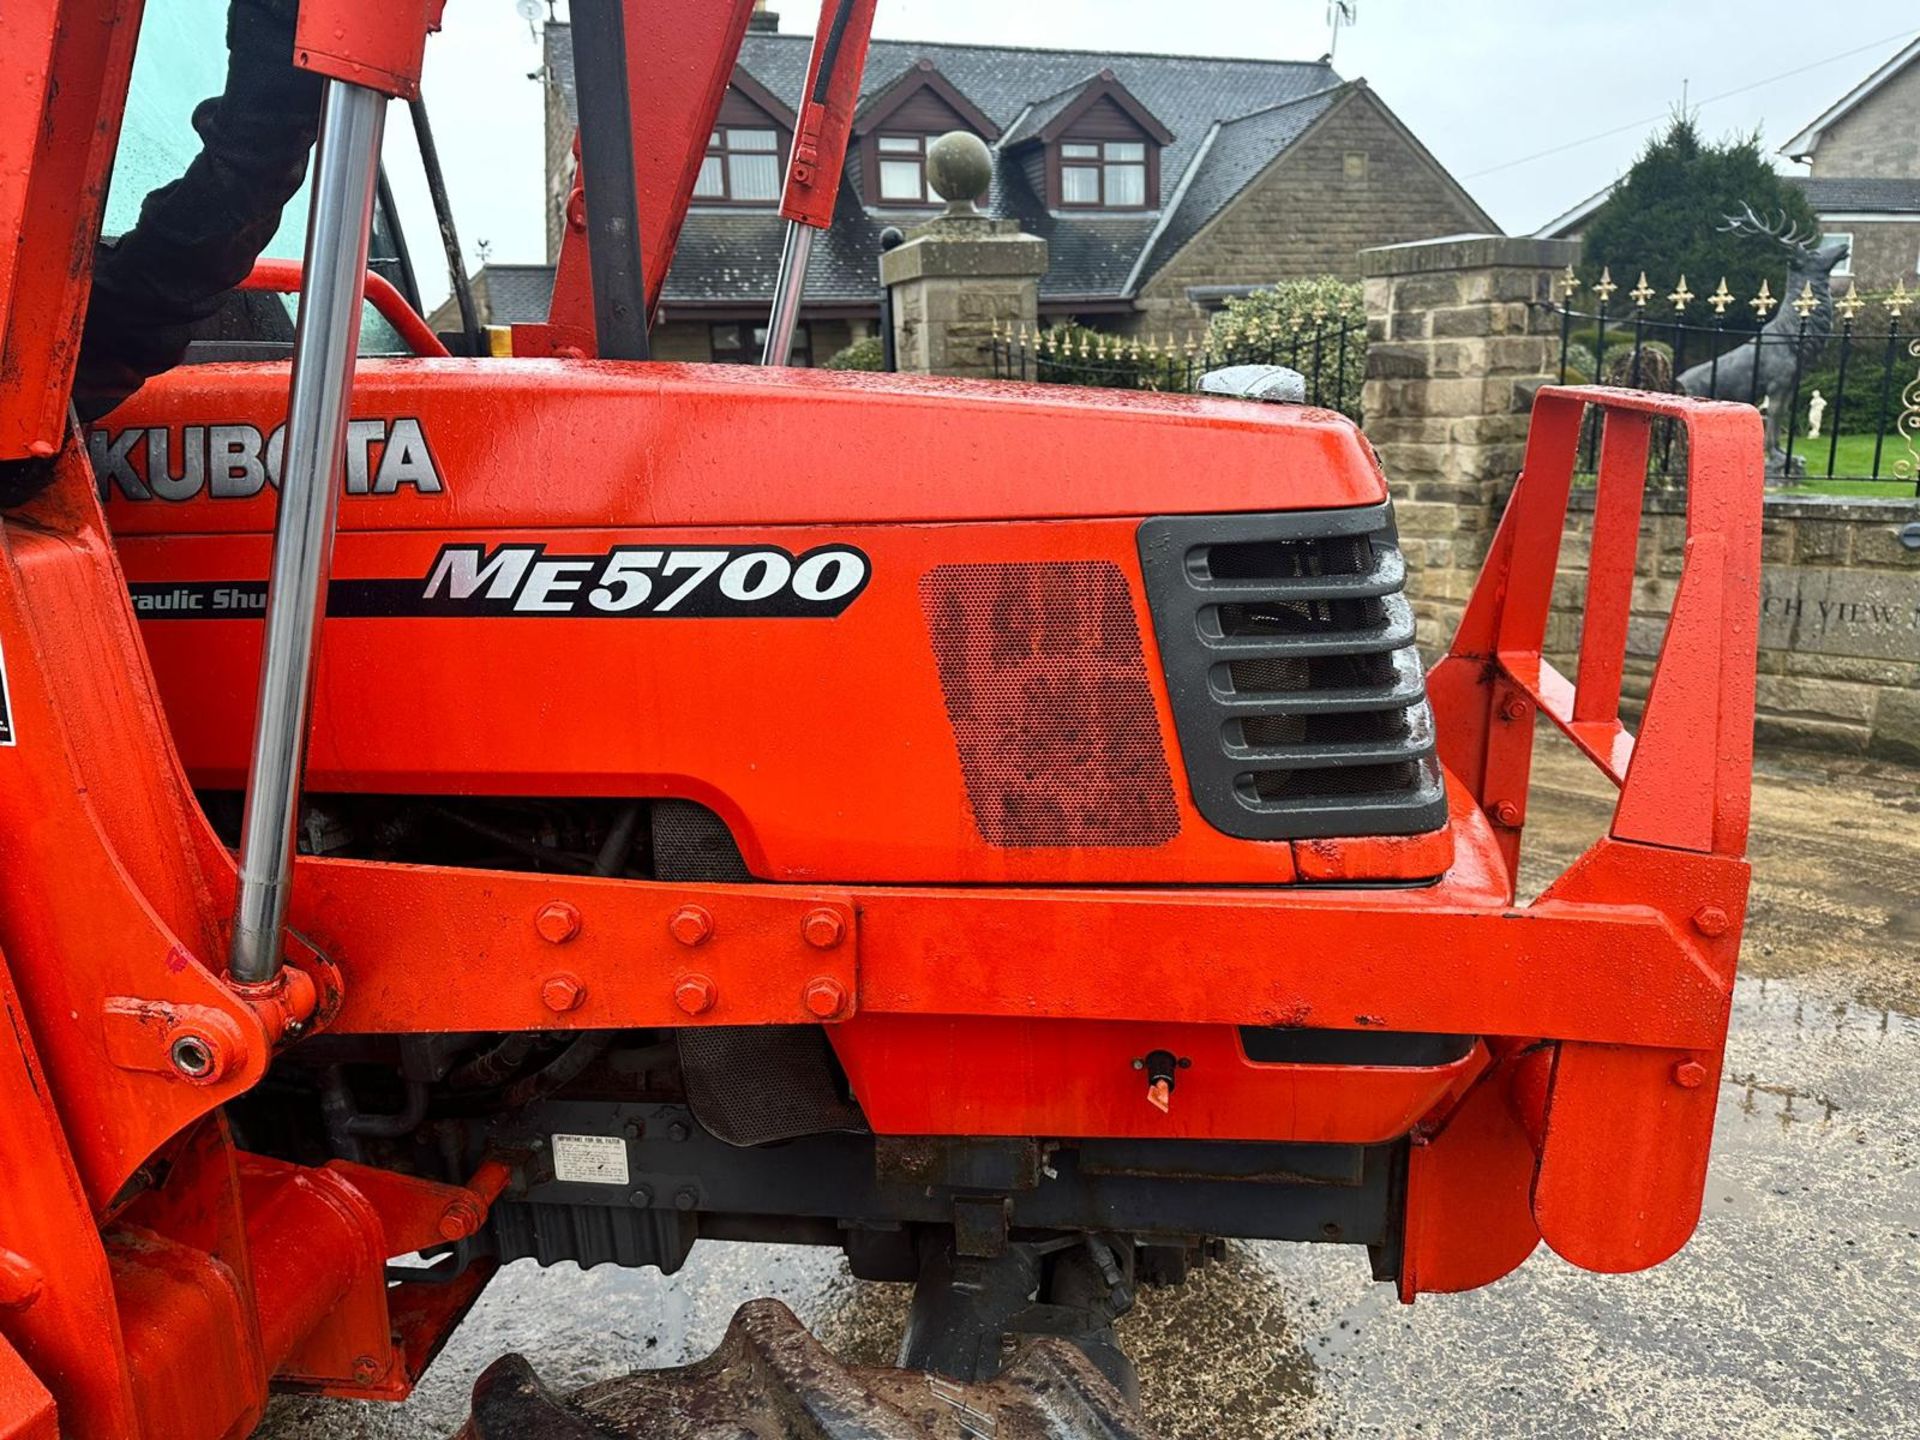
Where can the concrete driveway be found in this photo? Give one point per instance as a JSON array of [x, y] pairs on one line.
[[1795, 1311]]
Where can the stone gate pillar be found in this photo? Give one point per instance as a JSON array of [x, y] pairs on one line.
[[1460, 334], [959, 276]]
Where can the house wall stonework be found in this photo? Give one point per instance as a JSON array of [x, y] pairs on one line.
[[1311, 212], [1878, 137], [1462, 336], [1884, 251], [559, 139]]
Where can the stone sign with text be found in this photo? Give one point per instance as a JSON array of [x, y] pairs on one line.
[[1873, 614]]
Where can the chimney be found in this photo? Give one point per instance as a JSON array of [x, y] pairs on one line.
[[764, 21]]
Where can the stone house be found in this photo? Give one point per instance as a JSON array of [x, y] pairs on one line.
[[1863, 172], [1163, 184]]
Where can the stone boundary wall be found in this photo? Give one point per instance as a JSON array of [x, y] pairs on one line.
[[1839, 617], [1462, 334]]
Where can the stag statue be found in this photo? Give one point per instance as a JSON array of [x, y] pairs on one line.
[[1765, 366]]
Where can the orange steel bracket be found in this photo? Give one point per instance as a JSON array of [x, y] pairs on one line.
[[680, 59], [379, 46], [1625, 1128], [26, 1409], [1468, 1217], [60, 110], [111, 897], [57, 1306]]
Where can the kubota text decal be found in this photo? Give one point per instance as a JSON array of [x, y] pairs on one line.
[[236, 462]]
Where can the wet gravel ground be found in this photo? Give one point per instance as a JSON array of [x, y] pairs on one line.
[[1794, 1312]]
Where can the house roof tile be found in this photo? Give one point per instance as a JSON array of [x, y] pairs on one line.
[[1252, 109]]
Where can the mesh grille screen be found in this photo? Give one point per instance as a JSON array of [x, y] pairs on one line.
[[1046, 688]]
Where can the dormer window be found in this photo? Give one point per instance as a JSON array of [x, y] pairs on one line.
[[1105, 174], [1091, 146], [887, 160], [742, 166], [903, 169]]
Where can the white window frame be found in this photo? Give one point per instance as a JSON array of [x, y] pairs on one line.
[[721, 152], [899, 148]]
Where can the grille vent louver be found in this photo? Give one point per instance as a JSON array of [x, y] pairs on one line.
[[1299, 698]]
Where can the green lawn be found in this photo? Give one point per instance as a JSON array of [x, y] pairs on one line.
[[1852, 461]]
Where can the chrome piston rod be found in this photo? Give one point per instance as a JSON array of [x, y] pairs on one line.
[[788, 286], [345, 168]]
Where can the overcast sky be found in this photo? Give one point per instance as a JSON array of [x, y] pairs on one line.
[[1487, 85]]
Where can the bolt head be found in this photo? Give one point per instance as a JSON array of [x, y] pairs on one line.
[[1516, 707], [690, 925], [685, 1200], [562, 993], [460, 1219], [826, 997], [366, 1370], [1711, 920], [1689, 1074], [1507, 813], [695, 994], [823, 929], [557, 923]]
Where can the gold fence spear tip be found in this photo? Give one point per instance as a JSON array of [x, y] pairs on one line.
[[1604, 286], [1641, 293], [1850, 304], [1680, 295], [1569, 283], [1764, 301], [1897, 301], [1721, 298], [1806, 303]]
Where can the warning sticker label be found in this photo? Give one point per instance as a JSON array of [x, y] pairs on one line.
[[590, 1159]]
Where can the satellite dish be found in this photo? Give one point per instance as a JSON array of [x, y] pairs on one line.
[[527, 10]]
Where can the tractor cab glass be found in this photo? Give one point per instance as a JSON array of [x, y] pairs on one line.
[[181, 62]]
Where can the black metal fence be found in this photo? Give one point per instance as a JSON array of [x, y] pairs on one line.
[[1835, 374], [1330, 354]]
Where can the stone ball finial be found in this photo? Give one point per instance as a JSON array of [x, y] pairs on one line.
[[959, 169]]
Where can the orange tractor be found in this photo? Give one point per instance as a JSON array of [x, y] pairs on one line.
[[467, 808]]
